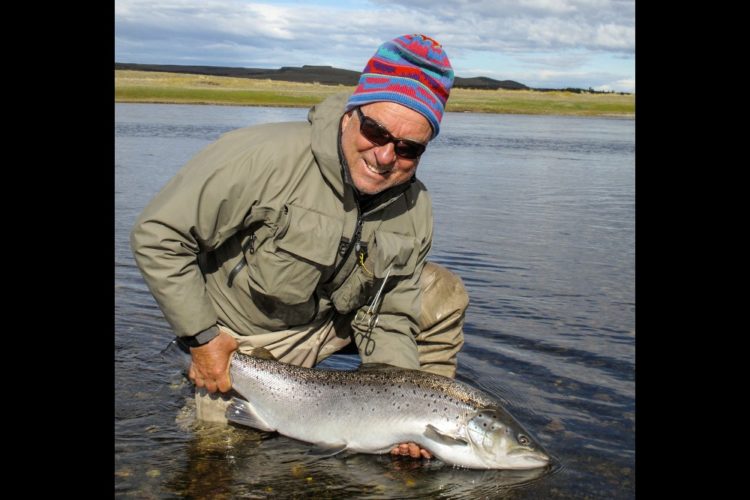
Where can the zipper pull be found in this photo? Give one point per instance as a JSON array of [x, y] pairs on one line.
[[249, 245]]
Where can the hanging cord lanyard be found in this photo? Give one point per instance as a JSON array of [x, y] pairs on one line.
[[373, 311]]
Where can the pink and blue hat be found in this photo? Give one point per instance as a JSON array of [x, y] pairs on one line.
[[411, 70]]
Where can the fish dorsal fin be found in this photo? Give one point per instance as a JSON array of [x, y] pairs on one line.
[[261, 353], [372, 367], [432, 432], [241, 412]]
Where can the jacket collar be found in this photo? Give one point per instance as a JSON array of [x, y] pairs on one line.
[[325, 119]]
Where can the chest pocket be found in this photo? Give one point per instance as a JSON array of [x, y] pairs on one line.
[[397, 251], [287, 266], [400, 252]]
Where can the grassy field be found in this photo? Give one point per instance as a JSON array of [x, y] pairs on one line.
[[147, 86]]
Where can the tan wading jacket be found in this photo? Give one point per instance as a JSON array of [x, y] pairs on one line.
[[270, 202]]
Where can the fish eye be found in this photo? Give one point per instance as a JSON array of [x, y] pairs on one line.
[[523, 440]]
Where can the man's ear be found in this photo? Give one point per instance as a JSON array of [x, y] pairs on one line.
[[345, 119]]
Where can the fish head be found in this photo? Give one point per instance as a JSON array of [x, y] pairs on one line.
[[502, 443]]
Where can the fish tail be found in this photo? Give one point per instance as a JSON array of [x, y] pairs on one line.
[[178, 354]]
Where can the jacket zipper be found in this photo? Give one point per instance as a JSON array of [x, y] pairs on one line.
[[352, 243], [248, 246]]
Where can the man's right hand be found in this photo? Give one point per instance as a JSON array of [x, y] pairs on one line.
[[210, 366]]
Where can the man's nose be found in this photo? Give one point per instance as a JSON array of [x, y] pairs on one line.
[[386, 155]]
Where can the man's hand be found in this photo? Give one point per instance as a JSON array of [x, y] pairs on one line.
[[411, 449], [210, 366]]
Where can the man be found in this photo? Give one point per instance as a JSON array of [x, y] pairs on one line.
[[305, 237]]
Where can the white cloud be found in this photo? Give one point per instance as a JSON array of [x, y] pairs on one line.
[[538, 33]]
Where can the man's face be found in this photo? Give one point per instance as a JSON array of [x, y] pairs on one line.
[[376, 168]]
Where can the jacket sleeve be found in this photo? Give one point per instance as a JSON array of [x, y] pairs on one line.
[[203, 205], [392, 340]]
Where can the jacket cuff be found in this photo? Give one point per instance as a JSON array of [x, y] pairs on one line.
[[201, 338]]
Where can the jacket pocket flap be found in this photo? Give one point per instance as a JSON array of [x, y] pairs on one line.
[[393, 250], [311, 235]]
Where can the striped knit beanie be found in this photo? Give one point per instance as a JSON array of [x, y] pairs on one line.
[[411, 70]]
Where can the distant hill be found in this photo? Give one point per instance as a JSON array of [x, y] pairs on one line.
[[483, 82], [326, 75]]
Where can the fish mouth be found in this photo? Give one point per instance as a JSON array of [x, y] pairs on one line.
[[530, 459]]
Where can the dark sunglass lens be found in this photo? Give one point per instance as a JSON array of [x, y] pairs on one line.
[[408, 150], [374, 132]]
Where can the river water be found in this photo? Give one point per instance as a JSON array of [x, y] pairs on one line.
[[535, 213]]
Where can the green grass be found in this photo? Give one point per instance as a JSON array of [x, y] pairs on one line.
[[535, 102], [155, 87], [211, 96]]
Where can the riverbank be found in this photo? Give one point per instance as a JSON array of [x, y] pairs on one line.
[[156, 87]]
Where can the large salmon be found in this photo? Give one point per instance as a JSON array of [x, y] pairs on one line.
[[374, 408]]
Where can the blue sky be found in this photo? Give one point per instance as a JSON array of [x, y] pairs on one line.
[[540, 43]]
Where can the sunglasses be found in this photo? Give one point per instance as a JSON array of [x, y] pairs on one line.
[[377, 134]]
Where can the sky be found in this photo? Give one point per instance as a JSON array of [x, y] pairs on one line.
[[539, 43]]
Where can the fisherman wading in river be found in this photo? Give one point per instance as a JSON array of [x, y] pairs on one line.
[[306, 237]]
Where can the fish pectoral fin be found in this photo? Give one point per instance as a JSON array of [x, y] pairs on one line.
[[432, 432], [325, 451], [241, 412]]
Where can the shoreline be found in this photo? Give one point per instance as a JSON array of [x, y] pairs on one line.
[[179, 88], [622, 116]]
